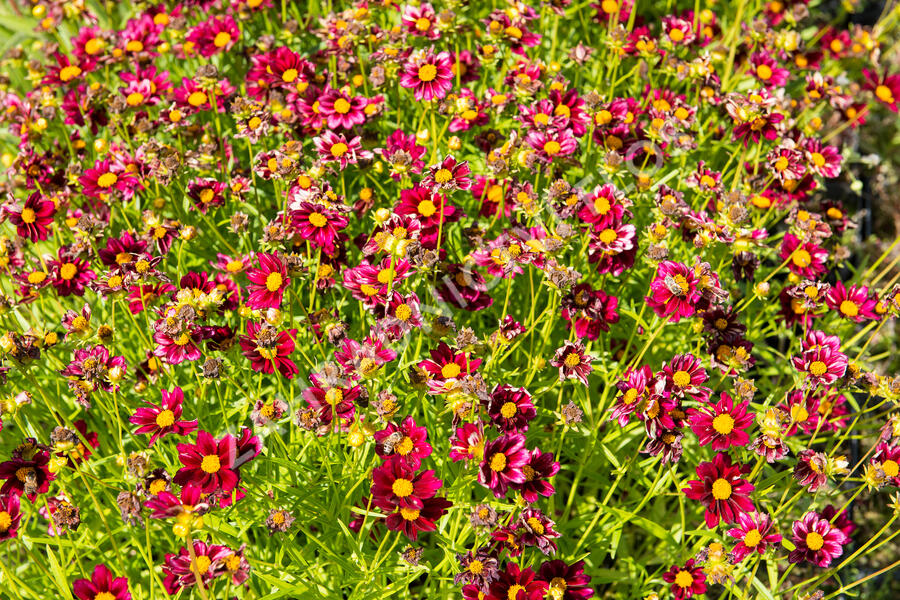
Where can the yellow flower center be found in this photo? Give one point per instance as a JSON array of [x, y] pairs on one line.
[[409, 514], [884, 93], [165, 418], [368, 290], [849, 309], [334, 396], [68, 271], [427, 73], [681, 378], [426, 208], [339, 149], [402, 488], [498, 462], [385, 276], [28, 215], [476, 567], [222, 39], [93, 46], [721, 489], [405, 446], [79, 323], [157, 486], [197, 98], [801, 258], [508, 410], [234, 266], [450, 370], [817, 159], [782, 163], [134, 98], [104, 596], [552, 147], [341, 106], [274, 281], [608, 236], [723, 424], [752, 538], [210, 464], [513, 593], [134, 46], [403, 312], [423, 24], [676, 35], [443, 176], [890, 468], [684, 579], [289, 75], [536, 526], [764, 72], [69, 73], [572, 360], [203, 562], [5, 520], [107, 180], [207, 195], [814, 541], [818, 368]]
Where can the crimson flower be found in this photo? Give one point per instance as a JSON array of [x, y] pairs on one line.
[[33, 220], [687, 581], [269, 349], [163, 419], [9, 516], [208, 463], [755, 532], [673, 293], [816, 540], [396, 485], [722, 424], [101, 586], [721, 490], [502, 464], [268, 282], [515, 583]]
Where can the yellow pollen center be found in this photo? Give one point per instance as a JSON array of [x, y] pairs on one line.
[[423, 24], [341, 106], [107, 180], [409, 514], [105, 596], [723, 424], [339, 149], [28, 215], [450, 370], [426, 208], [5, 520], [403, 312], [402, 488], [890, 468], [681, 378], [207, 195], [443, 176], [134, 98], [274, 281], [849, 309], [684, 579], [385, 276], [572, 360], [93, 46], [608, 236], [513, 593], [552, 147], [817, 159], [165, 418], [721, 489], [536, 526], [69, 73], [498, 462], [289, 75], [884, 93], [801, 258], [818, 368], [427, 73], [68, 271], [203, 562], [405, 446], [508, 410], [318, 220], [197, 98], [753, 538], [814, 541], [476, 567], [210, 464], [764, 72], [222, 39]]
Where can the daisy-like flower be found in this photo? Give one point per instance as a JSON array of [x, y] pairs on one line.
[[822, 159], [215, 35], [852, 302], [502, 464], [318, 225], [268, 349], [429, 75], [572, 362], [685, 376], [540, 467], [565, 581], [887, 458], [674, 292], [403, 154], [396, 485], [268, 282], [341, 110], [334, 147], [69, 274], [755, 532], [9, 516], [181, 571], [101, 586], [407, 443], [448, 176], [33, 219], [721, 489], [511, 408], [885, 87], [723, 424], [515, 583], [804, 259], [106, 177], [821, 360], [208, 463], [552, 144], [765, 68], [163, 419], [687, 581], [811, 470], [467, 442], [28, 467], [816, 540], [447, 365]]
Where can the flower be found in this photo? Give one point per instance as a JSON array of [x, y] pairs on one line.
[[853, 303], [687, 581], [885, 87], [429, 75], [208, 463], [511, 408], [406, 443], [816, 540], [396, 485], [268, 282], [181, 570], [722, 424], [566, 581], [515, 583], [9, 516], [673, 292], [341, 110], [33, 219], [573, 363], [823, 364], [540, 467], [411, 521], [503, 463], [721, 490], [447, 176], [163, 419], [804, 259], [755, 532], [684, 377], [101, 586], [268, 349], [333, 147], [319, 225]]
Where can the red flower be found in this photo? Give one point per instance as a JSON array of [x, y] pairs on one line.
[[684, 377], [686, 581], [341, 110], [268, 282], [573, 363], [333, 147], [9, 516], [806, 259], [816, 540], [101, 586], [566, 582], [407, 443], [70, 274], [446, 366], [217, 34], [181, 571], [32, 221], [410, 521], [511, 408], [887, 458], [503, 462], [515, 583], [269, 349], [163, 419], [722, 424], [755, 532], [885, 87], [396, 485], [539, 468], [721, 490], [318, 225], [674, 293], [429, 75], [450, 175], [208, 463], [852, 303], [821, 360]]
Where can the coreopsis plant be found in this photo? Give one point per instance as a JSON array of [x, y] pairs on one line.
[[493, 300]]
